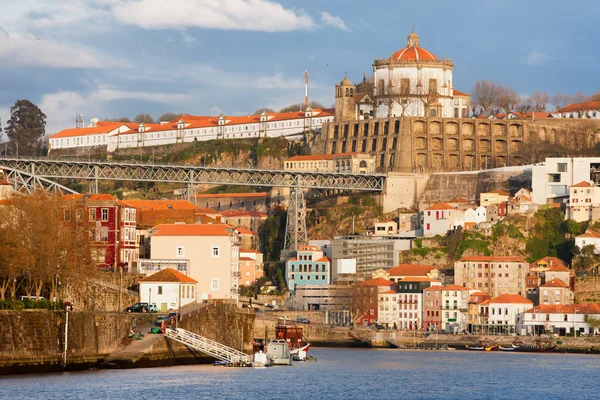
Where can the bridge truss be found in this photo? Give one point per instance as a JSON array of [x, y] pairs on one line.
[[42, 170]]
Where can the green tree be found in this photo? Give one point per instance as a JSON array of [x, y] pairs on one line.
[[265, 109], [26, 128], [120, 119], [144, 118], [168, 117], [292, 108]]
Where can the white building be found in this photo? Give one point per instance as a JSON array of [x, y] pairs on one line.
[[388, 308], [584, 199], [441, 218], [385, 228], [168, 289], [507, 310], [590, 237], [455, 304], [414, 82], [355, 163], [551, 179], [588, 110], [561, 319], [475, 215], [189, 128]]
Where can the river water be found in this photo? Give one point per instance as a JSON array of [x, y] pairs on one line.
[[337, 374]]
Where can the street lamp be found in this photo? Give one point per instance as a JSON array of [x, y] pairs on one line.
[[149, 297]]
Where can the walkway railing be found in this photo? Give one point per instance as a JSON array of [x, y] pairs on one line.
[[207, 346]]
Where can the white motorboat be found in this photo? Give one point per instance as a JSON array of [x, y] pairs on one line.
[[260, 359], [278, 351], [300, 353]]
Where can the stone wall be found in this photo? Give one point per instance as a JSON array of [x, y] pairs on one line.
[[418, 144], [586, 289]]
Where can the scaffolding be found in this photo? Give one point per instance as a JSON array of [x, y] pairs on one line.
[[295, 227]]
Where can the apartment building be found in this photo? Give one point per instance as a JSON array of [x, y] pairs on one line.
[[494, 275]]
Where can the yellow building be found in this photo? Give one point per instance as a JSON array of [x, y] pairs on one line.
[[493, 197]]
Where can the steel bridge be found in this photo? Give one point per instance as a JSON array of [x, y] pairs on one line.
[[28, 174]]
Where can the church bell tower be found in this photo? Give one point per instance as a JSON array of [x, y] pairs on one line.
[[345, 104]]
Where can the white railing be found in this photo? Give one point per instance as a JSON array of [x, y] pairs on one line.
[[207, 346], [151, 266]]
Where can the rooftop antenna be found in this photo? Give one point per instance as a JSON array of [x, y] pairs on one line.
[[78, 120]]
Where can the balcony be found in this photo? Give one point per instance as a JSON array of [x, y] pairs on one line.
[[236, 275], [152, 266]]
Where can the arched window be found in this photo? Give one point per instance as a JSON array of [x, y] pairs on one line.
[[433, 112], [347, 91]]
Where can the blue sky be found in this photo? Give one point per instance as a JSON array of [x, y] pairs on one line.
[[113, 58]]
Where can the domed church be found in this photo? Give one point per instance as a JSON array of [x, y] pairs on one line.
[[412, 82]]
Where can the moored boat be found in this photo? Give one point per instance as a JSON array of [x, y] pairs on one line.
[[261, 359], [510, 348], [278, 352], [474, 347]]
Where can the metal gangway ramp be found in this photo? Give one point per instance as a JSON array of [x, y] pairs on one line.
[[207, 346]]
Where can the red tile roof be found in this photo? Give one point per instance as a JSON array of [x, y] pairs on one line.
[[587, 106], [226, 195], [413, 54], [455, 287], [250, 251], [418, 279], [168, 275], [160, 205], [435, 288], [440, 206], [554, 261], [590, 234], [246, 259], [555, 283], [191, 230], [583, 308], [493, 259], [459, 93], [244, 231], [582, 184], [103, 127], [510, 299], [90, 197], [410, 270], [3, 182], [243, 213]]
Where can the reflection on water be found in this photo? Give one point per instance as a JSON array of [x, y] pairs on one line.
[[338, 374]]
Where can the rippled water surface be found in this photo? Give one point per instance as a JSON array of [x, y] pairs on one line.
[[338, 374]]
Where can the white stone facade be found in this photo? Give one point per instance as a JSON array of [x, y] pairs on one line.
[[552, 179]]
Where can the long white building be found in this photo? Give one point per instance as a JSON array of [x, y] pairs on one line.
[[188, 128]]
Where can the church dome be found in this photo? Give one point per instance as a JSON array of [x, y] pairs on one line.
[[413, 51], [346, 82]]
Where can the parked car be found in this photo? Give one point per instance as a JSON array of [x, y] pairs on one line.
[[32, 298], [302, 320], [138, 307], [173, 315]]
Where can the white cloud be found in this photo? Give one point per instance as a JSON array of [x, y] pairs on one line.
[[251, 15], [366, 24], [536, 59], [61, 107], [188, 40], [337, 22], [49, 53]]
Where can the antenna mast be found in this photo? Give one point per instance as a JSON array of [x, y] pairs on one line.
[[305, 89]]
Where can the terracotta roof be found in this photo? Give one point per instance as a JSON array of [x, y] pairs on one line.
[[250, 251], [191, 230], [455, 287], [583, 308], [309, 248], [440, 206], [555, 283], [243, 213], [3, 182], [479, 297], [377, 282], [168, 275], [323, 259], [510, 299], [582, 184], [418, 279], [485, 302], [413, 54], [200, 210], [459, 93], [217, 195], [244, 231], [590, 234], [103, 127], [246, 259], [90, 197], [160, 205], [389, 292], [410, 270], [500, 192], [587, 106], [321, 157], [552, 261], [493, 259], [434, 288]]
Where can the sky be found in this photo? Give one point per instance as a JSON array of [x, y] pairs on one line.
[[119, 58]]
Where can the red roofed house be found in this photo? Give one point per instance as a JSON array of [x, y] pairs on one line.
[[432, 308], [188, 128], [555, 291], [549, 268], [495, 275], [441, 218], [251, 220], [588, 110], [168, 289], [584, 202], [365, 300], [410, 298], [477, 313], [506, 313], [356, 163], [561, 319], [208, 253], [251, 266], [309, 267], [589, 238], [110, 225]]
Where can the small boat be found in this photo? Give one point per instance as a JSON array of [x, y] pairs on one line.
[[300, 353], [511, 348], [278, 352], [474, 347], [491, 348], [260, 360]]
